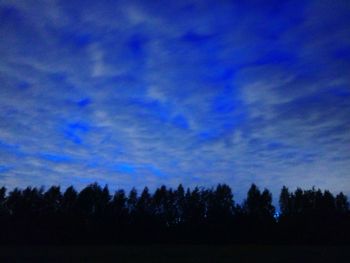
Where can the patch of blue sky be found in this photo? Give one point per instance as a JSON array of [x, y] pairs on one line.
[[60, 81], [75, 131], [288, 155], [23, 85], [84, 102], [309, 157], [14, 149], [208, 135], [222, 127], [136, 43], [220, 74], [155, 170], [233, 122], [56, 158], [308, 105], [77, 39], [180, 121], [275, 146], [342, 53], [342, 91], [124, 168], [279, 24], [197, 38], [277, 57], [226, 101], [8, 146], [58, 78], [79, 127], [4, 168], [153, 108], [10, 15], [92, 164]]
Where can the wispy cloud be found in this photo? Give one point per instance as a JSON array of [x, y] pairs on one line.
[[136, 93]]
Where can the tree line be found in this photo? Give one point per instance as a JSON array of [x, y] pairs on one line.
[[199, 215]]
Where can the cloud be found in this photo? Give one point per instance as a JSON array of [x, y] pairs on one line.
[[199, 92]]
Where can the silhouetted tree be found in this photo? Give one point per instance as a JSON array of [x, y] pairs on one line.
[[260, 213], [252, 203], [220, 205], [132, 201], [341, 203], [285, 202], [119, 216], [3, 210], [179, 204], [70, 220], [69, 199], [92, 215], [52, 199], [119, 209], [144, 213]]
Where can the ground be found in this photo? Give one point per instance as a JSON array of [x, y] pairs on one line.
[[176, 253]]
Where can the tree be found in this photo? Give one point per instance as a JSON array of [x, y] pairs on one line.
[[87, 200], [341, 203], [199, 215], [267, 209], [144, 207], [3, 210], [252, 203], [132, 200], [68, 202], [220, 205], [285, 202], [328, 203], [53, 199], [194, 207], [119, 215], [160, 204], [179, 203], [119, 208]]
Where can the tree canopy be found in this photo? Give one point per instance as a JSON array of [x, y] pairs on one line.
[[210, 215]]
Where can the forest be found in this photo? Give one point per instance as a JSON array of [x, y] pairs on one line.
[[199, 215]]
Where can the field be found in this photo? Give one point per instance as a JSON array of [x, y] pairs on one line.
[[175, 253]]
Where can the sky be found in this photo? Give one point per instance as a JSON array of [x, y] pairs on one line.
[[135, 93]]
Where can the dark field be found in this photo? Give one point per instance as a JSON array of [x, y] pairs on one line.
[[175, 253]]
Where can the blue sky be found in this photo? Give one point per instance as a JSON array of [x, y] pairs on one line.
[[135, 93]]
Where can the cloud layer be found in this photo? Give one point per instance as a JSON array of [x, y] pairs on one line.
[[135, 93]]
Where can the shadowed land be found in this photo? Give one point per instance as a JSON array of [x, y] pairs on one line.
[[175, 253]]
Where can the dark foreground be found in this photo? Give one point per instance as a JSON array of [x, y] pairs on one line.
[[176, 253]]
